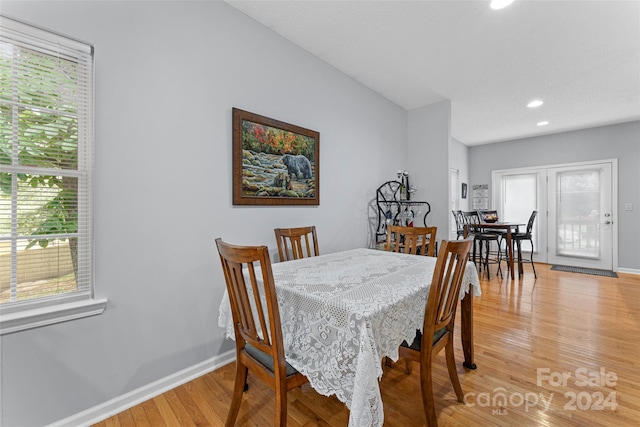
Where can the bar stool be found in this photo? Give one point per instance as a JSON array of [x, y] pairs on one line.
[[459, 217], [481, 239], [517, 239]]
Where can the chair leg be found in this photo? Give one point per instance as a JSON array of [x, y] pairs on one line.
[[426, 386], [519, 246], [238, 388], [474, 251], [486, 257], [451, 367], [388, 362], [499, 272], [281, 406], [532, 266]]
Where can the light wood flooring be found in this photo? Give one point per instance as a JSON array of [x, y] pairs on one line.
[[529, 335]]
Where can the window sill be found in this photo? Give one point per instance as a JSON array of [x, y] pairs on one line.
[[35, 318]]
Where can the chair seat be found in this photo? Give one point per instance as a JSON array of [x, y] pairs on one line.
[[267, 360], [486, 236], [416, 344], [521, 236]]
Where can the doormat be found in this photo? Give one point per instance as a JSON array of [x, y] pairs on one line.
[[592, 271]]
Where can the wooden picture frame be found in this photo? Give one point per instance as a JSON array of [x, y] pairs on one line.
[[274, 163]]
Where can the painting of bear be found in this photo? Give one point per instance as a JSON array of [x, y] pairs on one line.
[[297, 165]]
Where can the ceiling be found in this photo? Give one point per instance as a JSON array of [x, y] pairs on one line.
[[582, 58]]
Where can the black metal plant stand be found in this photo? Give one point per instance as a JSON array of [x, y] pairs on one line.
[[395, 208]]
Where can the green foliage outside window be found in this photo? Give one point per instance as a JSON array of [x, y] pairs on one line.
[[39, 123], [38, 149]]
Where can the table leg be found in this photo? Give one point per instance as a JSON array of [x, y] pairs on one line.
[[510, 251], [466, 329], [520, 268]]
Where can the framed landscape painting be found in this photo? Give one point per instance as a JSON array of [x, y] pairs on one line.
[[274, 163]]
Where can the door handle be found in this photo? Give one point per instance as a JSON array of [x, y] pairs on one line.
[[608, 222]]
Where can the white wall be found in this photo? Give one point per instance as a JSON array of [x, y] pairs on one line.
[[620, 142], [167, 77]]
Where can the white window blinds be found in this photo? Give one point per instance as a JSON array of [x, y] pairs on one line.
[[46, 161]]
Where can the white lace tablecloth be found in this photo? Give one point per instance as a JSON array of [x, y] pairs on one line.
[[342, 313]]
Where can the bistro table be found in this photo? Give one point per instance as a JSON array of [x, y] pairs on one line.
[[507, 226], [342, 313]]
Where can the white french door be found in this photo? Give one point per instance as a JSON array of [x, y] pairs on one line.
[[581, 215], [576, 223]]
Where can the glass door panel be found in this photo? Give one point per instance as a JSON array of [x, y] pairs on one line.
[[519, 201], [580, 221]]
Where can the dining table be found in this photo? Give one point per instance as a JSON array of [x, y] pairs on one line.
[[343, 312], [508, 227]]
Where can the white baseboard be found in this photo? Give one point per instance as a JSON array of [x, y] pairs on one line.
[[121, 403], [628, 270]]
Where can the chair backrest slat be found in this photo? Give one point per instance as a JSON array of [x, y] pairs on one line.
[[530, 223], [239, 290], [257, 299], [471, 217], [459, 218]]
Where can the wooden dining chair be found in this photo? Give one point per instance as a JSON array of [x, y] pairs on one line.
[[439, 320], [290, 242], [411, 240], [258, 331]]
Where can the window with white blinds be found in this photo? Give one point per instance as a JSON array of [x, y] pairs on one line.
[[518, 197], [46, 160]]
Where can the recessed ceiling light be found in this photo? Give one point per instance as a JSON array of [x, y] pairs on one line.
[[535, 103], [500, 4], [543, 123]]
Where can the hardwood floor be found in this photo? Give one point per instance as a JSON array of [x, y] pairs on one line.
[[560, 350]]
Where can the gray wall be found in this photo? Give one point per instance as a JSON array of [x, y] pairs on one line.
[[429, 133], [620, 142], [167, 76], [459, 159]]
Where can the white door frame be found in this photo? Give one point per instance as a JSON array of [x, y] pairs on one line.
[[454, 198], [542, 250]]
